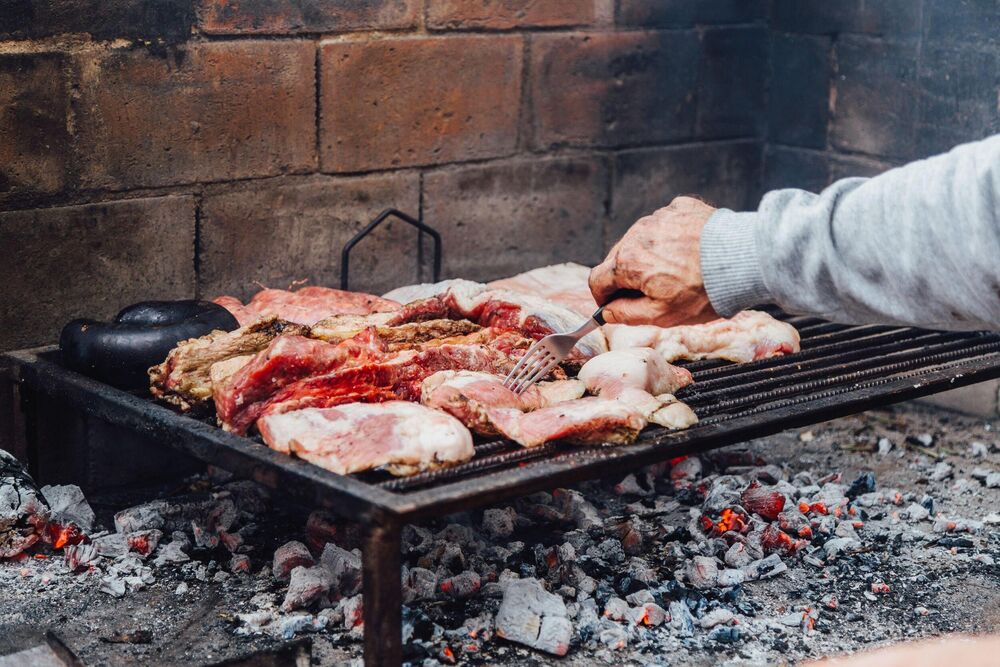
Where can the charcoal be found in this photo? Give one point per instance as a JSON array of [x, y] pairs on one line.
[[142, 517], [144, 542], [716, 617], [649, 614], [580, 511], [613, 636], [616, 609], [462, 585], [992, 480], [419, 584], [344, 568], [112, 545], [114, 586], [640, 597], [738, 555], [687, 469], [839, 545], [23, 509], [864, 483], [702, 572], [181, 589], [764, 568], [306, 586], [499, 523], [941, 472], [532, 616], [172, 552], [239, 563], [730, 577], [68, 506], [762, 500], [725, 635], [978, 449], [80, 556], [289, 556], [321, 528]]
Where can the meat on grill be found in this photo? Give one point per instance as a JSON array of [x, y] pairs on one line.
[[241, 396], [184, 378], [563, 284], [406, 438], [641, 378], [747, 336], [397, 337], [584, 421], [306, 305], [470, 396], [503, 309], [397, 376]]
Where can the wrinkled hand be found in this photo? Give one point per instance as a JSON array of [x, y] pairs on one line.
[[659, 256]]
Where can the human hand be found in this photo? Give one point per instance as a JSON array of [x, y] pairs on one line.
[[660, 257]]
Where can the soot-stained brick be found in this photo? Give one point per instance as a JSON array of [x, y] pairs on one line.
[[786, 167], [613, 89], [202, 112], [507, 14], [305, 16], [168, 20], [722, 173], [731, 93], [684, 13], [405, 102], [798, 109], [90, 261], [280, 232], [499, 219], [881, 17]]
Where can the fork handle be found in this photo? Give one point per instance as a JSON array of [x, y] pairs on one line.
[[620, 294], [599, 316]]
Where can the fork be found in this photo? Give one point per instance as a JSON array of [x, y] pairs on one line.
[[548, 353]]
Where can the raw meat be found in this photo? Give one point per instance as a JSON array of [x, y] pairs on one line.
[[471, 395], [404, 437], [642, 379], [585, 421], [397, 376], [503, 309], [240, 398], [307, 305], [184, 378], [564, 284], [747, 336]]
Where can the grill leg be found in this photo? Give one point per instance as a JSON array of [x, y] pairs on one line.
[[383, 596]]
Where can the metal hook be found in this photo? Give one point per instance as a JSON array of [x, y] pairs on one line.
[[345, 254]]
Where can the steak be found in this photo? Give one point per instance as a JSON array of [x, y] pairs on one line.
[[406, 438], [184, 378], [240, 398], [306, 305], [585, 421]]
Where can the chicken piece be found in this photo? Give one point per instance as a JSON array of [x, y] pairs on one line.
[[405, 438], [584, 421], [641, 378], [184, 378], [241, 397], [747, 336], [470, 396], [306, 305], [530, 315], [564, 284]]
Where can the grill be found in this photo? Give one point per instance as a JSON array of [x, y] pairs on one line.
[[841, 370]]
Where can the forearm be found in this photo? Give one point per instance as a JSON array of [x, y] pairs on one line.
[[917, 245]]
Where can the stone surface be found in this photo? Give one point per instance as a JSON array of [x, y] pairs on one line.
[[800, 90], [723, 173], [499, 219], [309, 16], [235, 110], [683, 13], [288, 230], [613, 89], [90, 261], [789, 167], [35, 154], [876, 81], [402, 102], [961, 22], [507, 14], [731, 82], [169, 20]]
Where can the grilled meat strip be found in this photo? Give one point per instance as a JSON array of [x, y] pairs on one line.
[[184, 378]]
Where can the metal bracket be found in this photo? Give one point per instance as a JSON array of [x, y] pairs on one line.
[[345, 254]]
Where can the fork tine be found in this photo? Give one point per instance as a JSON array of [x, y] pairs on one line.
[[543, 361], [529, 358], [533, 365], [538, 374]]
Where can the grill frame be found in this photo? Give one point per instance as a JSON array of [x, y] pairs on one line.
[[902, 364]]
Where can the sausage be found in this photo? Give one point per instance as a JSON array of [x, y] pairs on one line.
[[121, 352]]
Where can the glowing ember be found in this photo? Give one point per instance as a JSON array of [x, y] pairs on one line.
[[768, 503]]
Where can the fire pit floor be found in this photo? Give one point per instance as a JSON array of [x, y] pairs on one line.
[[907, 576]]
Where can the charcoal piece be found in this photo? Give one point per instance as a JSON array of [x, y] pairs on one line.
[[498, 523], [681, 620], [419, 584], [69, 506], [462, 585], [142, 517], [23, 510], [289, 556], [864, 483], [306, 586], [532, 616], [344, 568], [80, 556], [702, 572]]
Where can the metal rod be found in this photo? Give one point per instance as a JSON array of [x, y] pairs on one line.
[[345, 253], [383, 595]]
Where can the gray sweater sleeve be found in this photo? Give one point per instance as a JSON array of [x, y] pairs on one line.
[[917, 245]]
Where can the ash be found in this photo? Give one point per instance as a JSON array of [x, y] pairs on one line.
[[856, 533]]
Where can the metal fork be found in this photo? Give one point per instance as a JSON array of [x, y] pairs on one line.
[[548, 353]]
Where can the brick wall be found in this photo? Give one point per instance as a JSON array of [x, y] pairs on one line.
[[859, 86], [196, 147]]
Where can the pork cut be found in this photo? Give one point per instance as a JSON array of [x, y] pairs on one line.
[[241, 396], [306, 305], [470, 396], [564, 284], [530, 315], [184, 378], [405, 438], [585, 421], [397, 336], [398, 376], [747, 336]]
